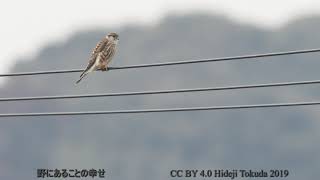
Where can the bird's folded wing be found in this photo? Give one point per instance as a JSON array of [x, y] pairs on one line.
[[96, 52], [100, 46]]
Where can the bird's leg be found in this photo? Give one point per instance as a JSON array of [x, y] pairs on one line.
[[105, 68]]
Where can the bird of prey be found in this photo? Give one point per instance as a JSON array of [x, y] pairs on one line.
[[102, 54]]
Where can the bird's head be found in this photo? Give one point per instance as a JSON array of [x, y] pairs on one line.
[[113, 36]]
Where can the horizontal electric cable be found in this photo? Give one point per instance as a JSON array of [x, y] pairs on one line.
[[171, 63], [162, 110], [161, 91]]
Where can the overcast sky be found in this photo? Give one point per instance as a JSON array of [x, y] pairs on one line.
[[28, 25]]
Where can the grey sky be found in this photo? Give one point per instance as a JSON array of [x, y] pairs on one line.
[[28, 25]]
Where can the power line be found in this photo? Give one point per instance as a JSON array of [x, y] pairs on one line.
[[232, 58], [161, 91], [41, 72], [161, 110]]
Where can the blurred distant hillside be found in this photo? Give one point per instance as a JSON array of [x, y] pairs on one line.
[[148, 146]]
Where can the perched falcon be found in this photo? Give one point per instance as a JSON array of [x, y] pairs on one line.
[[101, 55]]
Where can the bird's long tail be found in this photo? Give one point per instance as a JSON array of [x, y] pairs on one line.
[[82, 76]]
